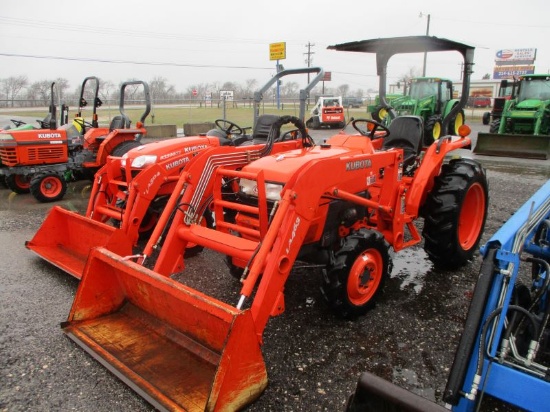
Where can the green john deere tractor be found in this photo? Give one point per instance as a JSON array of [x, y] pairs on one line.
[[430, 98], [523, 129]]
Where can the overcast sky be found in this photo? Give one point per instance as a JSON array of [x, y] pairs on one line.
[[194, 42]]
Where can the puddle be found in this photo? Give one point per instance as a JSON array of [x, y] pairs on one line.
[[411, 266]]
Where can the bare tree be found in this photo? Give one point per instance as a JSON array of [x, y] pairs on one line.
[[40, 92], [250, 87], [343, 89], [61, 84], [12, 86], [160, 89], [290, 89]]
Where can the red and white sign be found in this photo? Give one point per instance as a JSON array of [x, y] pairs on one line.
[[195, 92], [514, 55]]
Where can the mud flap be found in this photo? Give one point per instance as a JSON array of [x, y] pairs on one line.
[[175, 346], [65, 239], [513, 145]]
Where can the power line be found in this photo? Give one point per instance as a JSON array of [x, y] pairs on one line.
[[87, 59]]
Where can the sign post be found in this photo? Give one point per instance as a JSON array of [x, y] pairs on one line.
[[277, 51]]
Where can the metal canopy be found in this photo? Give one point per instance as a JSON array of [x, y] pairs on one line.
[[409, 44], [385, 48]]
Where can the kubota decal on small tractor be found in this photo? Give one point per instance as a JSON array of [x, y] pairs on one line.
[[130, 192], [48, 158], [343, 204]]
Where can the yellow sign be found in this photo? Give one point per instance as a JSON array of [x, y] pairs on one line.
[[277, 51]]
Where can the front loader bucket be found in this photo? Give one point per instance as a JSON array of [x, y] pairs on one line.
[[176, 347], [65, 239], [513, 145]]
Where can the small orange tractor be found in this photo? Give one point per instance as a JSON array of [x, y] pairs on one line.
[[130, 192], [343, 205], [46, 159]]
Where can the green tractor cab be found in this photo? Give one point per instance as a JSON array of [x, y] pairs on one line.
[[523, 129], [430, 98]]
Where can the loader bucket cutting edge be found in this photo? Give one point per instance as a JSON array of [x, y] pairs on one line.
[[513, 145], [65, 239], [175, 346]]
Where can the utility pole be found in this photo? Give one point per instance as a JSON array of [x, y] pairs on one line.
[[309, 53], [427, 34]]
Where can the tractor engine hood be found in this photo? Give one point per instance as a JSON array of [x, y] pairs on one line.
[[530, 104], [281, 167], [167, 149]]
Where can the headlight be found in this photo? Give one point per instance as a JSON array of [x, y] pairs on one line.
[[6, 136], [272, 190], [248, 187], [142, 161]]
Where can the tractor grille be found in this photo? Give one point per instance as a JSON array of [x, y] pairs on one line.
[[45, 154], [8, 155]]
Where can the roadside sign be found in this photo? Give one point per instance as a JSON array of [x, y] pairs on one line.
[[226, 94], [327, 77], [277, 51], [195, 92], [509, 72]]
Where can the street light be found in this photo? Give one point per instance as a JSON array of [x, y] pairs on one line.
[[427, 34]]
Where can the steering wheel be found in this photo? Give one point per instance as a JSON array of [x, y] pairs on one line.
[[17, 123], [300, 130], [367, 131], [43, 124], [290, 135], [228, 130]]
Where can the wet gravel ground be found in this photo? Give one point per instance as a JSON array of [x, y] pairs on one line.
[[313, 359]]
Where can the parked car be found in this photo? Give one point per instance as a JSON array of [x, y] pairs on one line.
[[479, 101], [352, 102]]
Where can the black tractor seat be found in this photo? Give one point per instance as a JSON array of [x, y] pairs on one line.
[[406, 133]]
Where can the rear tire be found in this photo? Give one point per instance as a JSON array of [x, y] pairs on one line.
[[124, 147], [454, 213], [48, 187], [432, 129], [19, 183], [357, 274]]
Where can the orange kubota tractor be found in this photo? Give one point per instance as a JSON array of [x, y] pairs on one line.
[[342, 204], [48, 158], [23, 132], [130, 192]]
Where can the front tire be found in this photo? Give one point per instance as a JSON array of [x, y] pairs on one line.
[[19, 184], [48, 187], [357, 274], [454, 213], [495, 125], [456, 123]]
